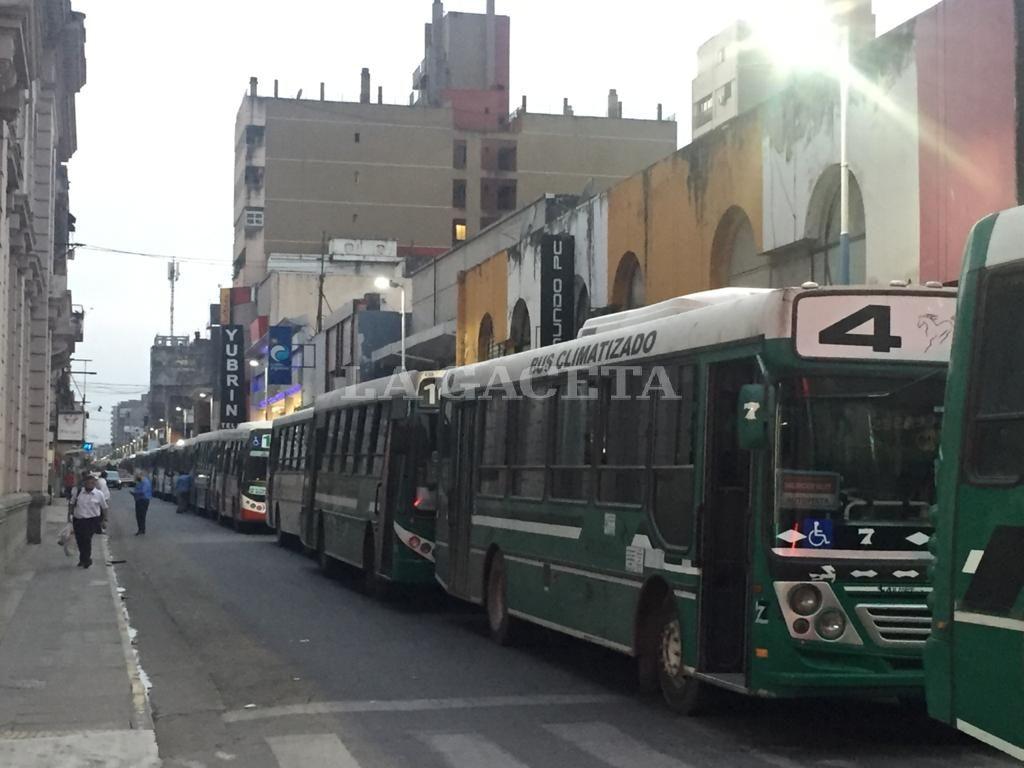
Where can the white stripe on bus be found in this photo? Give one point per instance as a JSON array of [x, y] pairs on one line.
[[345, 502], [973, 560], [685, 567], [984, 620], [991, 739], [527, 526], [850, 554], [572, 632]]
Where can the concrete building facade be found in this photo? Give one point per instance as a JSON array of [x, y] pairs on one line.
[[129, 420], [428, 174], [755, 201], [42, 68]]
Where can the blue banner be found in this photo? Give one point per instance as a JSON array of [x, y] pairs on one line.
[[279, 367]]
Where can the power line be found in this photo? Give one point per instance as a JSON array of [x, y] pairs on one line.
[[122, 252]]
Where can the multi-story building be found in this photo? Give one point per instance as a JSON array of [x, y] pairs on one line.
[[181, 377], [428, 174], [129, 420], [42, 56], [735, 72]]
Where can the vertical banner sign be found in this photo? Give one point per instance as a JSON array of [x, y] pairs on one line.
[[279, 369], [557, 289], [232, 394]]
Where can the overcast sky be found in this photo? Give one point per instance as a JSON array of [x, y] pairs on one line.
[[154, 168]]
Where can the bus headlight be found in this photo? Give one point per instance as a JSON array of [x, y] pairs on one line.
[[805, 599], [831, 624]]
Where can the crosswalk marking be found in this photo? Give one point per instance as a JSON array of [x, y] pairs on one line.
[[311, 751], [466, 750], [613, 747]]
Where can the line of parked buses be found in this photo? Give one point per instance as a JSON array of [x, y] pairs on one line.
[[736, 487]]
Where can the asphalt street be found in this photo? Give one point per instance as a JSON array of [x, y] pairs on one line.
[[256, 659]]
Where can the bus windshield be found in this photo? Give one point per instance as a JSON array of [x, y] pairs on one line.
[[855, 451], [256, 459]]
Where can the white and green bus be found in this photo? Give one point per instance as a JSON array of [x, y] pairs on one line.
[[975, 656], [732, 486]]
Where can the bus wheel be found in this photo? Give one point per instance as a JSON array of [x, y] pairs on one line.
[[498, 620], [681, 692]]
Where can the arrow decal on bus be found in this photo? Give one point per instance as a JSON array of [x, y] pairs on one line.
[[864, 574]]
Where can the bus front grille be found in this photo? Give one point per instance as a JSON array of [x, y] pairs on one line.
[[891, 625]]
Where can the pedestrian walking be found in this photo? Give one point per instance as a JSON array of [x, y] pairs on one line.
[[69, 483], [88, 513], [101, 484], [182, 489], [143, 492]]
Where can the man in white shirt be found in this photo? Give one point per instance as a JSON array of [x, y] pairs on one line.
[[87, 513], [101, 485]]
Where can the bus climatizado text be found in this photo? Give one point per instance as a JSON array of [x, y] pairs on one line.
[[974, 659], [732, 486]]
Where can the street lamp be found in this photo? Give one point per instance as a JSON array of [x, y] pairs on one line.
[[807, 35], [382, 283]]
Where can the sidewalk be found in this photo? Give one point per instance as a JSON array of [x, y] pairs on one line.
[[70, 687]]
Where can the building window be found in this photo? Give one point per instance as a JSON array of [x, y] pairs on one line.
[[507, 196], [253, 175], [254, 217], [459, 154], [703, 111], [459, 193], [721, 55], [724, 94], [356, 137], [507, 159], [254, 134], [458, 230]]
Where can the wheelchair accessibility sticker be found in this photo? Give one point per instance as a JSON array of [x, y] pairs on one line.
[[818, 533]]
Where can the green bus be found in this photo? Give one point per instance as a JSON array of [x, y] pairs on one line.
[[373, 496], [732, 487], [975, 655]]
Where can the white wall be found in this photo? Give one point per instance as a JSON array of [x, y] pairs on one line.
[[883, 152]]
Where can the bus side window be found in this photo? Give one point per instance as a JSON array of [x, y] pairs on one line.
[[341, 453], [289, 439], [354, 461], [381, 436], [623, 437], [330, 446], [493, 469], [528, 447], [673, 461], [305, 431], [571, 476]]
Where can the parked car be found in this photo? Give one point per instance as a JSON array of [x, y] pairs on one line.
[[113, 479]]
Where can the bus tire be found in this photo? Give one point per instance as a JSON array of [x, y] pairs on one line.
[[499, 622], [684, 694]]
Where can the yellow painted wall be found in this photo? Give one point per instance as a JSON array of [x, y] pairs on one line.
[[668, 214], [482, 290]]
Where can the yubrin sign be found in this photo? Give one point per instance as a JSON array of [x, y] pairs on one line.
[[230, 376]]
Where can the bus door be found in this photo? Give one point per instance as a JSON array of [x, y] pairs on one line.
[[725, 525], [460, 500], [395, 421]]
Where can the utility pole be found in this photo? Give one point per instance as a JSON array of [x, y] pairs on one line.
[[85, 373], [320, 284], [172, 277]]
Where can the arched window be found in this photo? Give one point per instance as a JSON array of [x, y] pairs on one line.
[[485, 339], [823, 227], [734, 256], [629, 290], [522, 332], [581, 307]]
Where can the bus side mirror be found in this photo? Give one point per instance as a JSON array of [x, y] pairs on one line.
[[752, 417]]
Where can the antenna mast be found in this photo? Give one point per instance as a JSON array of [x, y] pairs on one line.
[[173, 272]]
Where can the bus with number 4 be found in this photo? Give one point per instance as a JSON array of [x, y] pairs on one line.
[[731, 486], [975, 656]]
